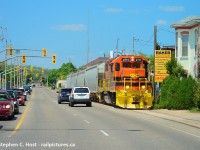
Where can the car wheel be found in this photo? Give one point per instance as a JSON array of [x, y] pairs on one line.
[[71, 104], [89, 104], [59, 102], [17, 111], [12, 116]]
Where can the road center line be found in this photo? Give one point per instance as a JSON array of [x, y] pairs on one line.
[[86, 121], [21, 119], [106, 134], [185, 132]]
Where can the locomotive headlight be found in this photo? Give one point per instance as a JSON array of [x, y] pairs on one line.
[[127, 86], [143, 87]]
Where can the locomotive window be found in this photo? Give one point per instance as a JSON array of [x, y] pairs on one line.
[[117, 67], [136, 65], [126, 65]]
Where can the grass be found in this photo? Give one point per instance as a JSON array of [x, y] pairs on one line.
[[195, 110]]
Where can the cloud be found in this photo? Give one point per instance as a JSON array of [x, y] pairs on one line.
[[114, 10], [172, 8], [161, 22], [72, 27]]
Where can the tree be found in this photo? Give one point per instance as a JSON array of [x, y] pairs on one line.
[[52, 76], [174, 68], [65, 70]]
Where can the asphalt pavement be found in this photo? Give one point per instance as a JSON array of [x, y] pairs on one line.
[[180, 116]]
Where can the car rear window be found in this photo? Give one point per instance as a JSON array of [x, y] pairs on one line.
[[66, 90], [81, 90]]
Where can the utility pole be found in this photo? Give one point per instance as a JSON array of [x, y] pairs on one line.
[[117, 46], [198, 60], [88, 42], [155, 45], [133, 45]]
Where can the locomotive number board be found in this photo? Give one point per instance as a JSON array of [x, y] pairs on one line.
[[125, 59]]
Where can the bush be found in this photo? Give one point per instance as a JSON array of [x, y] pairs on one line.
[[177, 93], [197, 96]]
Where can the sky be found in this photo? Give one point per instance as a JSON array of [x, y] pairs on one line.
[[80, 31]]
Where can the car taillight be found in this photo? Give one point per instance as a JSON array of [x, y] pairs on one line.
[[8, 106]]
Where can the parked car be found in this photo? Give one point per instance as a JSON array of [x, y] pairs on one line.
[[63, 95], [16, 103], [6, 105], [24, 93], [80, 95], [20, 97], [28, 89]]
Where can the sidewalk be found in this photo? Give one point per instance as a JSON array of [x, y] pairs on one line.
[[182, 116]]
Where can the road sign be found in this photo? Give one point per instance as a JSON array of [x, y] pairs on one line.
[[161, 58]]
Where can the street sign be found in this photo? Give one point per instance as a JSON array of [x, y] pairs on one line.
[[161, 58]]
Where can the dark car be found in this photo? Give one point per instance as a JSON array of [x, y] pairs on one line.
[[6, 105], [63, 95], [28, 89], [16, 103]]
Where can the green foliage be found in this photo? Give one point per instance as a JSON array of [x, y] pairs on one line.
[[197, 96], [52, 76], [177, 93], [65, 69], [61, 73], [174, 68]]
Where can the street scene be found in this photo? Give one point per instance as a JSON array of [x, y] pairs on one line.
[[103, 75], [45, 124]]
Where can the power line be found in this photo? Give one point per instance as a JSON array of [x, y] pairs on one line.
[[166, 30]]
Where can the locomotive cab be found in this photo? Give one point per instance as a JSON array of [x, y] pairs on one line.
[[127, 79]]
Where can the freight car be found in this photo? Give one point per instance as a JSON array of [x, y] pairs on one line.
[[121, 81]]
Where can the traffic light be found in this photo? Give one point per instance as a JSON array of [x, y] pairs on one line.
[[44, 52], [54, 59], [23, 58], [10, 50], [42, 70]]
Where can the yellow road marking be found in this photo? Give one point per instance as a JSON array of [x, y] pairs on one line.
[[21, 120]]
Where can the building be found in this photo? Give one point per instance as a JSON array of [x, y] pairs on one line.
[[188, 44]]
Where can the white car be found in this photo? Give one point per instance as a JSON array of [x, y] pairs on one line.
[[80, 95]]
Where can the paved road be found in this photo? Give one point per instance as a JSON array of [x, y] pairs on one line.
[[45, 124]]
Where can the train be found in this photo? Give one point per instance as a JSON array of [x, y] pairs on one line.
[[122, 81]]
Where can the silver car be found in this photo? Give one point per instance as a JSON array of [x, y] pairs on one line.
[[80, 95]]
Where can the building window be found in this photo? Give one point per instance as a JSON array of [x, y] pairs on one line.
[[196, 41], [176, 44], [185, 39]]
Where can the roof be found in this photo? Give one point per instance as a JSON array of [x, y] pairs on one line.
[[187, 22], [96, 61]]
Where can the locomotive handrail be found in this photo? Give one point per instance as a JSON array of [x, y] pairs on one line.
[[145, 83]]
